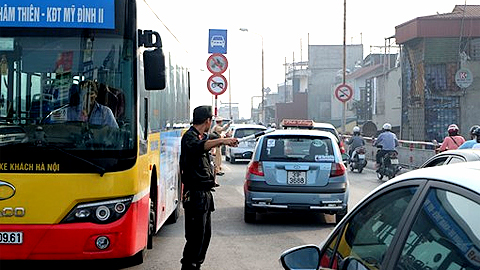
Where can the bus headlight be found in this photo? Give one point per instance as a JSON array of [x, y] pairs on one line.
[[99, 212], [102, 213]]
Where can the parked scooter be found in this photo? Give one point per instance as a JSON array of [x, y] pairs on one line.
[[389, 165], [358, 160]]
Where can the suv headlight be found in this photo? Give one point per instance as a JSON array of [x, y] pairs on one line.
[[100, 212]]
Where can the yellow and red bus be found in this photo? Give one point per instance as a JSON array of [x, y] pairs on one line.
[[75, 190]]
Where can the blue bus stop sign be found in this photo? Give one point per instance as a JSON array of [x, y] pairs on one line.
[[217, 41]]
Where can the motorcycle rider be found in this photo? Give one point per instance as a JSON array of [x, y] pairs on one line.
[[476, 133], [473, 138], [354, 142], [388, 142], [453, 140]]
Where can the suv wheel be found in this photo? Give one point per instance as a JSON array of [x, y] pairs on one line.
[[340, 215], [232, 160], [250, 216]]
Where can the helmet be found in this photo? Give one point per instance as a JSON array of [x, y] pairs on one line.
[[476, 132], [356, 129], [452, 128], [387, 126], [473, 129]]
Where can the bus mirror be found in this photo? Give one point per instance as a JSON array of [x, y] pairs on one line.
[[154, 69]]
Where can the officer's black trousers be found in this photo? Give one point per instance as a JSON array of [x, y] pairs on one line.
[[198, 229]]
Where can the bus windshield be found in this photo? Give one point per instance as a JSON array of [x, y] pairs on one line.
[[69, 91]]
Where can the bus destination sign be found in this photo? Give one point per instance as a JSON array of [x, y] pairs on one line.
[[99, 14]]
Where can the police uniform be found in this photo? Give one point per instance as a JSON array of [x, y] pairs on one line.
[[198, 179]]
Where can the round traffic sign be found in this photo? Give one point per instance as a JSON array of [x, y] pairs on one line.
[[463, 78], [344, 92], [217, 63], [217, 84]]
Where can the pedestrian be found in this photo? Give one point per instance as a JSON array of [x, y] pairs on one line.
[[198, 180], [453, 140], [217, 131], [473, 139]]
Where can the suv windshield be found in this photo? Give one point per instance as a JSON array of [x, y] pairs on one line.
[[306, 148], [68, 90]]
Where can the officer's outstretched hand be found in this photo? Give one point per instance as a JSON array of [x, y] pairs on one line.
[[231, 141]]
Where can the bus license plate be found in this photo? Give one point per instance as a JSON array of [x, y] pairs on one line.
[[11, 237], [296, 177], [394, 161]]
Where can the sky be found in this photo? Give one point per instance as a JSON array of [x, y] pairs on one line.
[[286, 27]]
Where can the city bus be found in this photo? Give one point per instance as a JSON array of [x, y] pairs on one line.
[[71, 186]]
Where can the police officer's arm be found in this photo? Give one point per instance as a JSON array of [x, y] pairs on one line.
[[209, 144], [226, 126]]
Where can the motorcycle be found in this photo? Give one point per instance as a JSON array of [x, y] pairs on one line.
[[358, 160], [389, 165]]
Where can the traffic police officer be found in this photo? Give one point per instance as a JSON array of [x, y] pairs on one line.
[[198, 179]]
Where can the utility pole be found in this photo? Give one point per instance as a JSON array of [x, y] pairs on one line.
[[344, 62], [229, 96], [285, 82]]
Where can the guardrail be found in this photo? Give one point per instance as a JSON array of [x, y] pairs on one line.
[[411, 154]]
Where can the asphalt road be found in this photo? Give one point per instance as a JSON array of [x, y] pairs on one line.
[[237, 245]]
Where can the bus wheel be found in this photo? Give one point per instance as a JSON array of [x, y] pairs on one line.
[[151, 224]]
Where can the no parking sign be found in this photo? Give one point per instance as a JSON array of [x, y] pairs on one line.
[[217, 84], [344, 92]]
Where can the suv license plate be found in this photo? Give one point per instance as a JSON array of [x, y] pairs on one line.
[[11, 237], [296, 177]]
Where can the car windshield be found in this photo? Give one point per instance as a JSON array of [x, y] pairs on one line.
[[299, 148], [71, 92]]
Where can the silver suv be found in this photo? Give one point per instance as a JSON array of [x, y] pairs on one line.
[[245, 148], [296, 170]]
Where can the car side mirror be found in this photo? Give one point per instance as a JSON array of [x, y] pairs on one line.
[[305, 257], [247, 155]]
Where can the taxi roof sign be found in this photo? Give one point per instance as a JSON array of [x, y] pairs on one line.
[[305, 123]]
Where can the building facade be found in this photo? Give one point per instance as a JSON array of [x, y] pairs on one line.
[[324, 64], [433, 49]]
